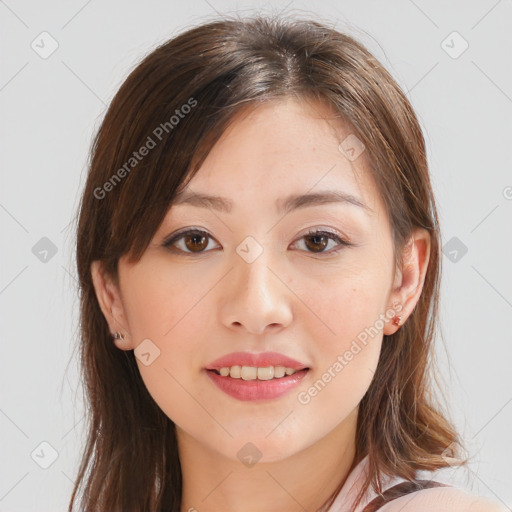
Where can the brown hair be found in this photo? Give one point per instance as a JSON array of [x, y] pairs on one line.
[[217, 69]]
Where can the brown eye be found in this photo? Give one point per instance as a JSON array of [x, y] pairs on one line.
[[195, 243], [317, 243], [192, 241]]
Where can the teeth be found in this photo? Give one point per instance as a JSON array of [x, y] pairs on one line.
[[253, 373]]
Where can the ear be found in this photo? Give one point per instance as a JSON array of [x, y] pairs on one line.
[[409, 280], [111, 304]]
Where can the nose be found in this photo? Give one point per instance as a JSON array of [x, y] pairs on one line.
[[256, 297]]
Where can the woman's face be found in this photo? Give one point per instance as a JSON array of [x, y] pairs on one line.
[[257, 282]]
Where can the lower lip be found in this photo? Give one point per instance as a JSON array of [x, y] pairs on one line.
[[250, 390]]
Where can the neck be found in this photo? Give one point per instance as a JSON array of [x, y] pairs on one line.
[[303, 481]]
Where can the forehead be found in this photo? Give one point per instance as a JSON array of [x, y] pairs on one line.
[[282, 149]]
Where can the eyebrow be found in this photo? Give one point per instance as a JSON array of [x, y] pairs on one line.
[[283, 205]]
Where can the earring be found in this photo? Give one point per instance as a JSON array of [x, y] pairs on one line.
[[397, 320], [118, 336]]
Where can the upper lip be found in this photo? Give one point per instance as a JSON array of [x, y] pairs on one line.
[[260, 360]]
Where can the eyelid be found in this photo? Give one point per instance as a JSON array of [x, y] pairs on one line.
[[323, 229]]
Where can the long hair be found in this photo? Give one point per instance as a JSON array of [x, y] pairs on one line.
[[176, 103]]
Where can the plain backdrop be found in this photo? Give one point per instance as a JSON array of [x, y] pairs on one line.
[[62, 62]]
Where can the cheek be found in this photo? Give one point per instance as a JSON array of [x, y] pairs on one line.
[[165, 310], [345, 318], [343, 300], [344, 364], [159, 297]]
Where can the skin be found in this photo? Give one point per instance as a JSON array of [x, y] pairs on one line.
[[309, 306]]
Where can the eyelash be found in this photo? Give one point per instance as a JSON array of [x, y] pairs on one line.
[[172, 239]]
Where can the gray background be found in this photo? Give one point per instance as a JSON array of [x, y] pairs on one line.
[[52, 106]]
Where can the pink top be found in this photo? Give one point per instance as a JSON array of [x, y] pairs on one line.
[[440, 499]]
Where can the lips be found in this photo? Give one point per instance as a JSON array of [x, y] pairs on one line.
[[257, 390], [260, 360]]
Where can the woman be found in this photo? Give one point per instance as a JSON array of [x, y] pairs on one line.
[[258, 254]]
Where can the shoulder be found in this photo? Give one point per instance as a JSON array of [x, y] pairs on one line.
[[443, 499]]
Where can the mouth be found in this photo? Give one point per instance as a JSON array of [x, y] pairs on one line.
[[256, 376]]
